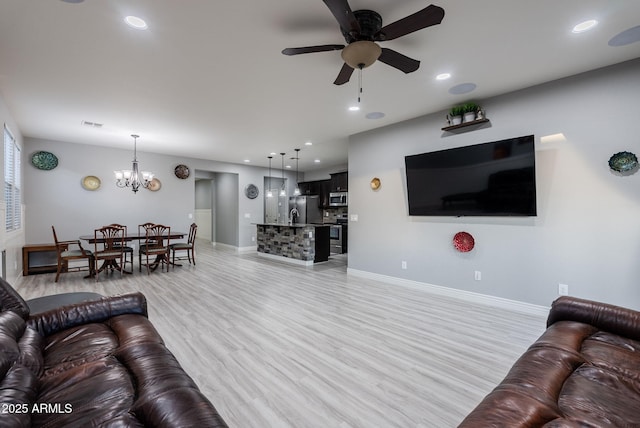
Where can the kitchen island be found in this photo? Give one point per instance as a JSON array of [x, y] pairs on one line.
[[298, 243]]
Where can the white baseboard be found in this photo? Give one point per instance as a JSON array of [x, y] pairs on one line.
[[286, 259], [513, 305], [233, 247]]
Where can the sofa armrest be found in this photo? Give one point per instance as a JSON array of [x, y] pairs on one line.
[[93, 311], [614, 319]]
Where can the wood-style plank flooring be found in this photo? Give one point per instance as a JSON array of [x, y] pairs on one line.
[[279, 345]]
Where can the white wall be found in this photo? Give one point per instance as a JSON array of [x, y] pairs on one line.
[[586, 234], [57, 198]]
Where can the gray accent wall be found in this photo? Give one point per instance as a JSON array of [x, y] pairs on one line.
[[586, 234]]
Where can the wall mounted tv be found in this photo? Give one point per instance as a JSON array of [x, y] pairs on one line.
[[491, 179]]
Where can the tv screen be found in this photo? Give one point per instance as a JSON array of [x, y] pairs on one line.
[[490, 179]]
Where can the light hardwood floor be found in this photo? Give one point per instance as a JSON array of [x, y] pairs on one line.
[[278, 345]]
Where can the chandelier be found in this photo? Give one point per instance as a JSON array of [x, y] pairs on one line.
[[132, 177]]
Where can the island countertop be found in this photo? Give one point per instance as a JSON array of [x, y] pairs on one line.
[[300, 242], [293, 225]]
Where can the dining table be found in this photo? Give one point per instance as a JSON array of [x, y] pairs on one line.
[[91, 239]]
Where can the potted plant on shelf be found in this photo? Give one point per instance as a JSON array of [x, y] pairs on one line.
[[455, 115], [470, 109]]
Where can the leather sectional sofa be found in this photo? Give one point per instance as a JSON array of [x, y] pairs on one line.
[[584, 371], [96, 363]]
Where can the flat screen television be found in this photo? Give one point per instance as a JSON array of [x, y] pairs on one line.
[[490, 179]]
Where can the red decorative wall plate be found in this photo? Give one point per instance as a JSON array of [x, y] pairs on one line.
[[464, 242]]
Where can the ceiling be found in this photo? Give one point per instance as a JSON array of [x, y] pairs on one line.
[[208, 80]]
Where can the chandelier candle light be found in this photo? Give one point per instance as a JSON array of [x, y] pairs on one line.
[[132, 177]]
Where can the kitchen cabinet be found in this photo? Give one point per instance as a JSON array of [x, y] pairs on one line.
[[318, 187], [340, 182]]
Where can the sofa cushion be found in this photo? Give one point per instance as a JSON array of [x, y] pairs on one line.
[[90, 394], [78, 345]]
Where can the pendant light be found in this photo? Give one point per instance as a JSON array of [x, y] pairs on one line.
[[296, 192], [133, 177], [283, 192], [269, 193]]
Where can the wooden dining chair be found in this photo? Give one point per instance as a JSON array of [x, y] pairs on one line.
[[109, 248], [68, 255], [142, 232], [155, 248], [128, 250], [188, 246]]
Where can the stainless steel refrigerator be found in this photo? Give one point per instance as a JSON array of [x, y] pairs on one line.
[[307, 207]]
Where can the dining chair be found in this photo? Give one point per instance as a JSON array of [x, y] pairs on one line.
[[128, 250], [142, 233], [67, 255], [155, 248], [109, 248], [188, 246]]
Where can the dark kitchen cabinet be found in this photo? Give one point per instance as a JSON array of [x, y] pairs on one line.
[[340, 182]]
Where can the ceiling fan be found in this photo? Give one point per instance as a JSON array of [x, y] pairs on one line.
[[362, 29]]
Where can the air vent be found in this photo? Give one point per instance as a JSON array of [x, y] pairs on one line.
[[92, 124]]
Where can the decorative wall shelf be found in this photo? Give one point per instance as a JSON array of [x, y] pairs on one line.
[[453, 128]]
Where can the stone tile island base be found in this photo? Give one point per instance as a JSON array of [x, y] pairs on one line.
[[298, 243]]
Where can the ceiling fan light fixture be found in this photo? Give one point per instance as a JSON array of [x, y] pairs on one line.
[[361, 54]]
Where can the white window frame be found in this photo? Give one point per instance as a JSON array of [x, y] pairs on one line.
[[12, 182]]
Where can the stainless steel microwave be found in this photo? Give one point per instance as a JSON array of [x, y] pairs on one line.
[[338, 199]]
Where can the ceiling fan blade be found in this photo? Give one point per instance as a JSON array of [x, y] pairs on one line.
[[431, 15], [311, 49], [344, 75], [344, 15], [399, 61]]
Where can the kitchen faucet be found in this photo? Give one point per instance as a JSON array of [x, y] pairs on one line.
[[293, 214]]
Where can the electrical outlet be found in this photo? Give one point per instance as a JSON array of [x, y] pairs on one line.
[[563, 289], [404, 264], [478, 275], [253, 239]]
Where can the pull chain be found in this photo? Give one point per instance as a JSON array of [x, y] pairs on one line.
[[360, 67]]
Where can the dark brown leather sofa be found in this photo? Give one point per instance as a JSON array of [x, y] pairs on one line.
[[584, 371], [99, 363]]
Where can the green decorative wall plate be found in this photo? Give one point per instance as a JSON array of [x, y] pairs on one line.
[[44, 160]]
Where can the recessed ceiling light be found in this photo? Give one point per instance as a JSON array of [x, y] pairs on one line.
[[443, 76], [288, 166], [308, 143], [354, 108], [463, 88], [584, 26], [317, 160], [375, 115], [135, 22], [273, 153], [626, 37]]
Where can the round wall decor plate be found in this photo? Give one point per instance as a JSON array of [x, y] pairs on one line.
[[251, 191], [181, 171], [623, 162], [91, 182], [45, 161], [155, 185], [463, 242], [375, 183]]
